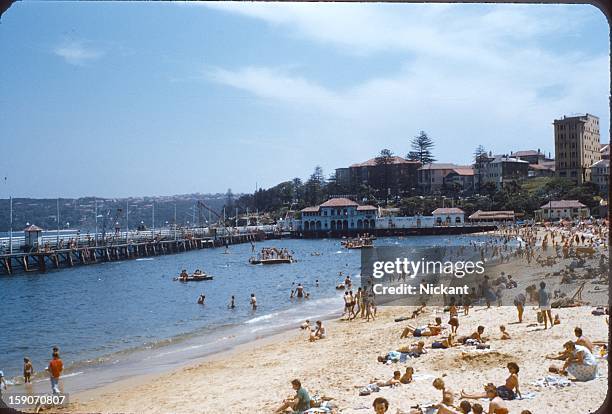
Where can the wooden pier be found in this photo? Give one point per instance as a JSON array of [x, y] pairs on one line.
[[43, 260]]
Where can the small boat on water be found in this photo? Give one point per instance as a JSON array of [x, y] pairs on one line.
[[359, 243], [272, 255], [196, 277], [255, 261]]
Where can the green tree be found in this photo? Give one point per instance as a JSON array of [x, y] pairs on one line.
[[421, 149]]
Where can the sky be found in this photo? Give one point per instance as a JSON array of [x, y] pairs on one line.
[[131, 99]]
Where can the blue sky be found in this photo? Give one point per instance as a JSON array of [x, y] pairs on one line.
[[116, 99]]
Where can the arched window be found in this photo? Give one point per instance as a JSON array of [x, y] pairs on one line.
[[306, 226], [345, 225], [318, 225], [458, 220], [359, 223], [333, 224]]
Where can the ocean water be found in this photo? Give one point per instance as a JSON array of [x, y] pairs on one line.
[[117, 319]]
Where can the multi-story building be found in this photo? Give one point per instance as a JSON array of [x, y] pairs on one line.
[[460, 178], [431, 176], [338, 214], [502, 170], [577, 146], [396, 175], [600, 172]]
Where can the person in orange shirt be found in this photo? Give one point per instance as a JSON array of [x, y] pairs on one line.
[[55, 368]]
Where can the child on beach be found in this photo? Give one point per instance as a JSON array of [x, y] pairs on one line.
[[407, 377], [380, 405], [318, 333], [504, 334]]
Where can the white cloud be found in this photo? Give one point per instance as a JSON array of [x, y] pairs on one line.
[[77, 53], [494, 75]]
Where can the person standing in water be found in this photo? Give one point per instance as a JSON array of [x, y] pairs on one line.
[[201, 299], [232, 304], [253, 301], [299, 290], [28, 370]]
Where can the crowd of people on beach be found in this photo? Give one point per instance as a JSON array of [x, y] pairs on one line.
[[580, 355]]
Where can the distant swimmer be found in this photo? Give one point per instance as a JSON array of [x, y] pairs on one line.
[[317, 283], [253, 301], [299, 290], [232, 304], [201, 299]]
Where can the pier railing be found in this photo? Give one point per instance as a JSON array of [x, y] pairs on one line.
[[52, 240]]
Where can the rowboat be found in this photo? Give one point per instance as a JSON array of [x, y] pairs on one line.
[[195, 278]]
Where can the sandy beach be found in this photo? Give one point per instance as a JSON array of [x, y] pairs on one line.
[[256, 378]]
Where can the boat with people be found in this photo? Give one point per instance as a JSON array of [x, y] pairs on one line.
[[272, 255], [358, 243], [197, 276]]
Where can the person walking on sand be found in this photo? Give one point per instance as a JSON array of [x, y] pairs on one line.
[[519, 302], [55, 368], [544, 304]]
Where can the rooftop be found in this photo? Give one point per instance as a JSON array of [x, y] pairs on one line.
[[601, 163], [563, 204], [339, 202], [441, 166], [492, 215], [464, 170], [526, 153], [32, 228], [576, 117], [448, 210], [394, 160]]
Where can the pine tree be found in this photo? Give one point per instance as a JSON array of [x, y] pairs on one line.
[[421, 149]]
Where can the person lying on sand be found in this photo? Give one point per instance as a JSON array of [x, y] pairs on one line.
[[508, 391], [407, 377], [299, 403], [504, 334], [583, 340], [417, 349], [427, 330], [392, 382], [445, 343]]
